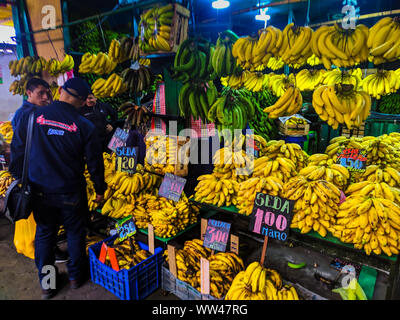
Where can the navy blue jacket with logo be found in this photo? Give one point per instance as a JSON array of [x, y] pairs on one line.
[[62, 143]]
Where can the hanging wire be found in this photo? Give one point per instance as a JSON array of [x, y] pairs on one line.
[[308, 14], [52, 44]]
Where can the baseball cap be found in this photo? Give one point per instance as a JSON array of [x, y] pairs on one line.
[[81, 87]]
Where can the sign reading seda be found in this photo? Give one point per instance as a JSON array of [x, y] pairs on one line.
[[271, 216], [126, 159]]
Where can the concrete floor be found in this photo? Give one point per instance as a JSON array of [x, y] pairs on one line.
[[18, 275]]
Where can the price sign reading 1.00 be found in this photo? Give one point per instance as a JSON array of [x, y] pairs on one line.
[[172, 187]]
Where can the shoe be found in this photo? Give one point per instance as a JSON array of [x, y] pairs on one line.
[[61, 256], [76, 284], [48, 294]]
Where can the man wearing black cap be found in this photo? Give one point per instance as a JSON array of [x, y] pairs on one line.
[[64, 142]]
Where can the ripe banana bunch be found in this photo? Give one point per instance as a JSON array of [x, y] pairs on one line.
[[137, 80], [341, 142], [5, 180], [100, 63], [90, 191], [155, 25], [279, 83], [275, 63], [372, 224], [308, 80], [195, 61], [334, 45], [91, 240], [296, 48], [135, 115], [382, 150], [336, 76], [320, 166], [313, 60], [55, 67], [6, 131], [27, 65], [280, 168], [224, 266], [337, 104], [380, 174], [292, 151], [110, 87], [294, 121], [222, 59], [116, 52], [377, 189], [168, 217], [126, 259], [249, 189], [116, 207], [260, 283], [316, 204], [216, 191], [383, 40], [288, 104], [196, 99], [381, 83], [161, 154], [231, 111], [19, 86], [234, 80]]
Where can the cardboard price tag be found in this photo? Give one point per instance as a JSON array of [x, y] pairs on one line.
[[172, 187], [355, 160], [118, 139], [126, 160], [271, 216], [217, 235]]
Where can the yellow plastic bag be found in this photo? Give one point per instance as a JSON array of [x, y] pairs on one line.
[[24, 236]]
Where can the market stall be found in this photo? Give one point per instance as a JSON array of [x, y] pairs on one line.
[[263, 149]]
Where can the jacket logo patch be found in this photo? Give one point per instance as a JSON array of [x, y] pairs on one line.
[[55, 132], [44, 122]]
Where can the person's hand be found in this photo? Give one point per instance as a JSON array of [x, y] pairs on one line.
[[109, 128], [99, 198]]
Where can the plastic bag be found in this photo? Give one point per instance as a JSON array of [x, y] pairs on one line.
[[24, 236]]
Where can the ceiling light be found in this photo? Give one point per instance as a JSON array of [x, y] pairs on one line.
[[220, 4]]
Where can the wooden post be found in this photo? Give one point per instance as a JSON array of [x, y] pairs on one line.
[[204, 276], [203, 229], [264, 250], [150, 230], [172, 260], [234, 245]]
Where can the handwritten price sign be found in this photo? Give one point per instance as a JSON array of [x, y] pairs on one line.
[[126, 229], [271, 216], [118, 139], [217, 235], [126, 160], [172, 187], [354, 160]]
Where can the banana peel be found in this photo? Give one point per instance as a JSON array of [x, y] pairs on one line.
[[352, 292]]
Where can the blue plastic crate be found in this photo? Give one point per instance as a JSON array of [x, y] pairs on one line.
[[134, 284], [296, 139]]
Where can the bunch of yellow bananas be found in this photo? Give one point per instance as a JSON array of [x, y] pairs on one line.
[[294, 121], [5, 180], [341, 142], [341, 47], [55, 91], [116, 52], [316, 204], [55, 67], [91, 240], [125, 258], [336, 76], [115, 207], [279, 83], [297, 43], [91, 192], [216, 191], [383, 150], [372, 224], [6, 131], [100, 63], [376, 173], [155, 25], [27, 65], [275, 63], [384, 40], [277, 167], [224, 266], [162, 154], [254, 81], [19, 86], [110, 87], [313, 60], [320, 166], [337, 104], [248, 191], [308, 80], [381, 83], [288, 104], [260, 283]]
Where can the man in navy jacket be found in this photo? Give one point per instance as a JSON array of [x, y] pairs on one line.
[[63, 142]]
